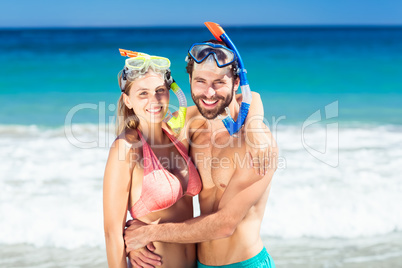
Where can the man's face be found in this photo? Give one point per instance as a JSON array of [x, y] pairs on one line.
[[212, 89]]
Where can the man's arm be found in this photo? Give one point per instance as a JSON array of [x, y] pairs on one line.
[[244, 190], [258, 143]]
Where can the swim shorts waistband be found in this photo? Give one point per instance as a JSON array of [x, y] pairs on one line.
[[261, 260]]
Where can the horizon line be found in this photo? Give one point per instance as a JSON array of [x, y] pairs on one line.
[[202, 26]]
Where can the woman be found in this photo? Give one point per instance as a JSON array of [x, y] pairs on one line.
[[148, 171]]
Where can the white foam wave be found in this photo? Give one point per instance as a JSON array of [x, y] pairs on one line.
[[51, 189], [358, 197]]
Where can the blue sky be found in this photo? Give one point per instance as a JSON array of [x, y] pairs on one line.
[[90, 13]]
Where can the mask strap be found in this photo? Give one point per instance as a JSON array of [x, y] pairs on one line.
[[123, 80]]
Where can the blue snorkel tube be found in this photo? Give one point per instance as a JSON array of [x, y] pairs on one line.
[[231, 125]]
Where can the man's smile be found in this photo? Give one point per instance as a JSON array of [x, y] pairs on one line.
[[209, 103]]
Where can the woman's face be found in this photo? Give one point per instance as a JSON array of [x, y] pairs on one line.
[[149, 98]]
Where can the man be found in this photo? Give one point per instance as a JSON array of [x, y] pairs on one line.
[[234, 197]]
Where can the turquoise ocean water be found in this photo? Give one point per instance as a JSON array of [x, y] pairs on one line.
[[335, 199], [296, 70]]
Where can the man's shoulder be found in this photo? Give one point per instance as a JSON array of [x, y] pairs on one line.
[[194, 120], [239, 96], [192, 111]]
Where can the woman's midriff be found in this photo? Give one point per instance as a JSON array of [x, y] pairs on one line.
[[176, 255]]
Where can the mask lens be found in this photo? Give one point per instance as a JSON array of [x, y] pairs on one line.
[[160, 62], [200, 52], [136, 63], [223, 56]]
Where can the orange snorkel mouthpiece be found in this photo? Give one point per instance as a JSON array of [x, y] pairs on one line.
[[215, 29], [128, 53]]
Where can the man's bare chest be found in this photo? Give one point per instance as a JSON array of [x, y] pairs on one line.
[[216, 158]]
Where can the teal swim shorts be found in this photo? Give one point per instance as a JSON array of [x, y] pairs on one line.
[[261, 260]]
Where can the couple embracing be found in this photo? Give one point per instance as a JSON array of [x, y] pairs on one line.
[[155, 168]]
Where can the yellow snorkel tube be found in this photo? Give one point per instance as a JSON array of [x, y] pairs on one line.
[[177, 123]]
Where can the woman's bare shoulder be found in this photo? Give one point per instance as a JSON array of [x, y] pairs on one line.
[[126, 144]]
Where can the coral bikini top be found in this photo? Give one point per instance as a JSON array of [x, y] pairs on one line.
[[160, 188]]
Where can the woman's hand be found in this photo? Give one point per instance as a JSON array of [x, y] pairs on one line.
[[145, 257]]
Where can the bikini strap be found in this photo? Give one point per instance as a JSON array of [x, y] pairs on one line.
[[151, 162], [180, 146]]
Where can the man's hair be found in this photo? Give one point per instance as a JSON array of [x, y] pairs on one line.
[[190, 63]]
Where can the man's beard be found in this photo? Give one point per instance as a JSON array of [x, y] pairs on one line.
[[212, 113]]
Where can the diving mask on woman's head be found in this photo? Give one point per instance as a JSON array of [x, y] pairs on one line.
[[139, 63], [223, 55]]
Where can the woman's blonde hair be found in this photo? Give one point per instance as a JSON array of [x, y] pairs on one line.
[[126, 118]]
